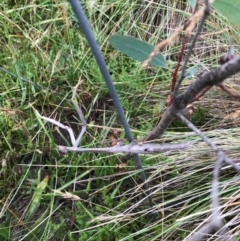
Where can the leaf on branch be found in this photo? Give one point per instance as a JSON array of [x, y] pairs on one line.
[[190, 72], [230, 9], [136, 49]]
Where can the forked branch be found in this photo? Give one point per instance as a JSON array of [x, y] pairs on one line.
[[133, 148], [216, 224], [180, 102]]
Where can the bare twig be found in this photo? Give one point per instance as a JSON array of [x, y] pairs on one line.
[[180, 56], [170, 113], [180, 102], [161, 45], [80, 114], [75, 142], [230, 92], [216, 223], [165, 121], [204, 14], [57, 123], [143, 148], [133, 148]]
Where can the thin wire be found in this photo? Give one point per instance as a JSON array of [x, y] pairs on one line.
[[85, 27]]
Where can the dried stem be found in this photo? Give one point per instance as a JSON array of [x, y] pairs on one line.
[[204, 14], [133, 148], [229, 91], [216, 223]]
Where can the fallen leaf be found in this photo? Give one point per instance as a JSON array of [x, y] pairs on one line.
[[121, 167], [233, 115], [113, 141]]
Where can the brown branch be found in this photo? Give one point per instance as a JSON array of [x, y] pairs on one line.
[[180, 102], [181, 53], [229, 91], [202, 93], [165, 121], [180, 57], [170, 113], [190, 25], [205, 14]]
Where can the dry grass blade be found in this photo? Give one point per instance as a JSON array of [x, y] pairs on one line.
[[67, 195]]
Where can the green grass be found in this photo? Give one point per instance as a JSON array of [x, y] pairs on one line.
[[43, 44]]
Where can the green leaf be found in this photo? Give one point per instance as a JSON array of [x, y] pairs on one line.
[[136, 49], [229, 8], [190, 72], [192, 3]]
